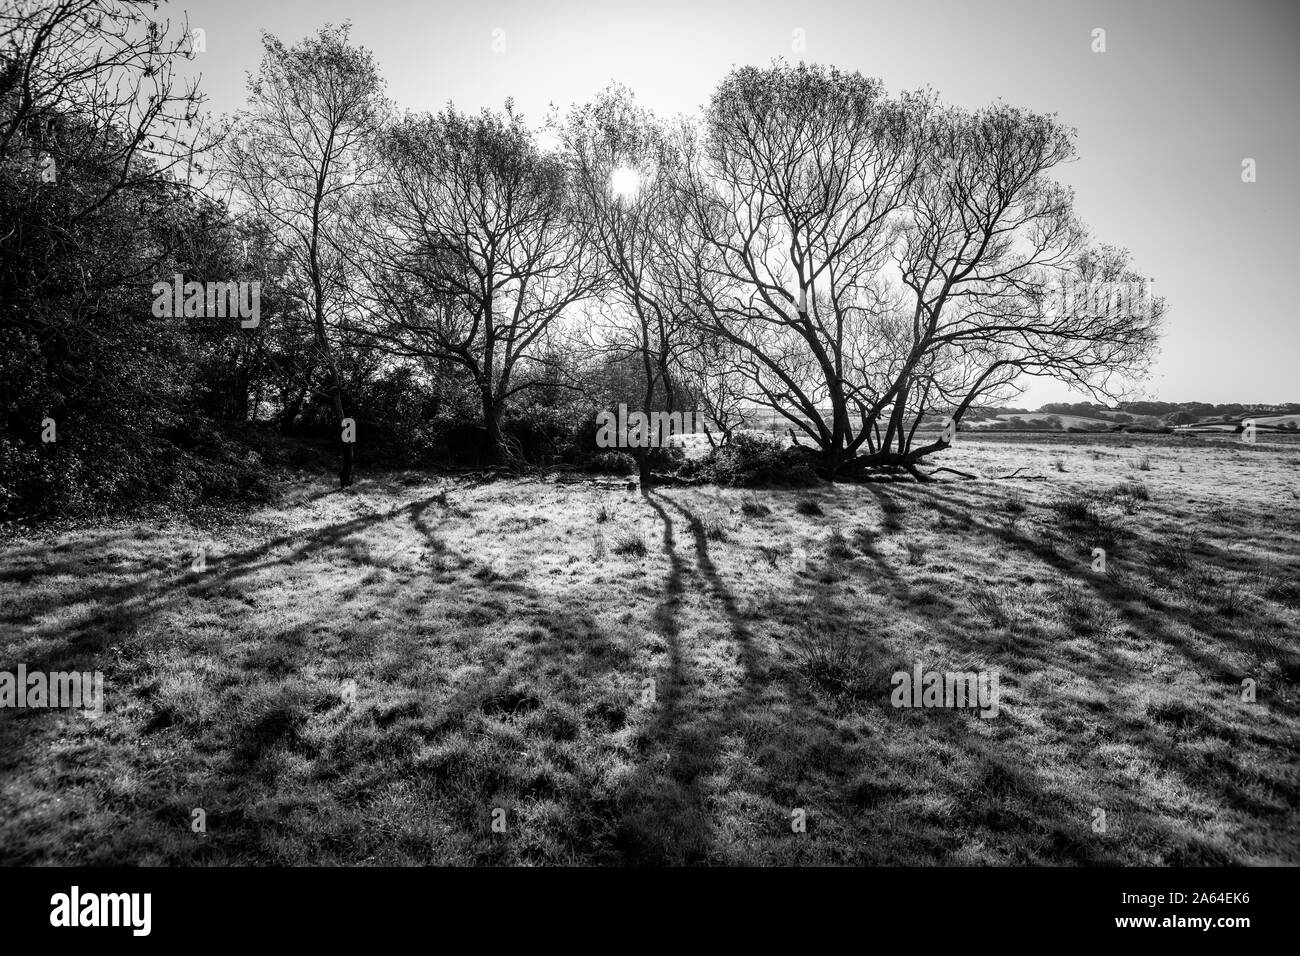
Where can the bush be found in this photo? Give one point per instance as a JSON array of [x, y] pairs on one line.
[[752, 461], [667, 458], [611, 463], [93, 470]]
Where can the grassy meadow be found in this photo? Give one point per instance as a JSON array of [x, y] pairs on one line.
[[663, 676]]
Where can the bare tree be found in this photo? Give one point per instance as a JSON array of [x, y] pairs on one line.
[[709, 368], [874, 259], [94, 82], [297, 152], [790, 203], [625, 170], [471, 254], [989, 245]]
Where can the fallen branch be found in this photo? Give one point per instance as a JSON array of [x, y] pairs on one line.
[[1017, 474], [954, 471]]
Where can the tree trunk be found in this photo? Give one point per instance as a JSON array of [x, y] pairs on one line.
[[292, 410], [349, 447], [496, 449], [289, 417]]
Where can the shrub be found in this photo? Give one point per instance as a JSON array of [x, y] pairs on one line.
[[95, 469], [665, 458], [755, 461], [612, 463]]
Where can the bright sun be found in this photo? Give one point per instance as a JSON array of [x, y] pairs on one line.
[[624, 182]]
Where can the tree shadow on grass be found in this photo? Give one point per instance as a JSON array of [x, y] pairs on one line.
[[880, 775], [666, 817], [495, 694], [103, 638], [1107, 668], [661, 816], [470, 704]]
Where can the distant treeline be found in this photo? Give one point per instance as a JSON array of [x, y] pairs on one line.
[[1168, 413]]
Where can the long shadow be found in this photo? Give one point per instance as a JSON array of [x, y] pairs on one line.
[[1119, 593], [1149, 616], [663, 816], [669, 817], [244, 763], [239, 763], [120, 610], [664, 821], [726, 599], [1133, 549], [123, 607], [1001, 789]]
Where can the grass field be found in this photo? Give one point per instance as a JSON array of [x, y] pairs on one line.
[[665, 676]]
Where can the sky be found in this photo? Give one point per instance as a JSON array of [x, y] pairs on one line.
[[1185, 91]]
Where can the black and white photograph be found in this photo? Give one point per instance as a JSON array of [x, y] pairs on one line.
[[847, 436]]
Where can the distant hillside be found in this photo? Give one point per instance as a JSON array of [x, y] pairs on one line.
[[1137, 415], [1083, 416]]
